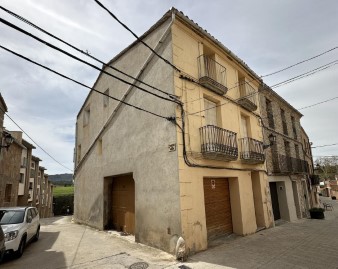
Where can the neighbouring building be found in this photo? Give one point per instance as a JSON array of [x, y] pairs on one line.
[[26, 156], [20, 184], [10, 171], [289, 164], [313, 180], [196, 170]]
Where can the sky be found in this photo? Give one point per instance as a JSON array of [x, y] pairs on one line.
[[267, 35]]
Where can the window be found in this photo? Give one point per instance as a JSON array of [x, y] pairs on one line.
[[269, 113], [78, 154], [285, 128], [287, 148], [33, 165], [8, 193], [24, 161], [297, 151], [210, 112], [288, 155], [245, 126], [99, 147], [22, 178], [106, 98], [86, 116], [294, 127], [30, 185]]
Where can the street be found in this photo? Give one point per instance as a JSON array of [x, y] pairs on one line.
[[303, 244]]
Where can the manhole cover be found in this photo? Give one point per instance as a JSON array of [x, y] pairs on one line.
[[139, 265]]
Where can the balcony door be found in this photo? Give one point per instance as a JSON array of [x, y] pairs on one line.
[[210, 112], [245, 142]]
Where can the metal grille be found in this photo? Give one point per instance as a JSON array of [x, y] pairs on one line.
[[212, 74], [252, 150], [248, 96], [286, 164], [216, 140]]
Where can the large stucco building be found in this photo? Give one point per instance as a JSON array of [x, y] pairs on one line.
[[199, 171]]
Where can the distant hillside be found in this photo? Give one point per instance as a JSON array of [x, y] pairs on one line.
[[61, 179]]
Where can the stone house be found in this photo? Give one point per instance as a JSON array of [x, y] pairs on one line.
[[19, 183], [289, 165], [313, 179], [26, 156], [198, 172]]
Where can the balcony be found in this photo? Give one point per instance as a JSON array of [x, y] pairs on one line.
[[218, 143], [248, 97], [212, 75], [289, 165], [252, 151], [315, 180]]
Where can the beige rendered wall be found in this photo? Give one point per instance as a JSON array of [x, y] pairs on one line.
[[194, 229], [262, 199], [187, 47]]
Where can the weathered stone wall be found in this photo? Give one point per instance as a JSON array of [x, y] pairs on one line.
[[10, 173], [278, 104]]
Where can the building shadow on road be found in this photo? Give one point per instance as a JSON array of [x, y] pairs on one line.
[[38, 255]]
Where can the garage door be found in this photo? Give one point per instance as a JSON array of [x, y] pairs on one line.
[[123, 204], [217, 206]]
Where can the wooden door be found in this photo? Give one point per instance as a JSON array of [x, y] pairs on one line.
[[217, 207], [123, 204]]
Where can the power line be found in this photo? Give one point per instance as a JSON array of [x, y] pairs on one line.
[[77, 82], [35, 142], [136, 36], [286, 68], [82, 61], [325, 146], [325, 101], [306, 74], [79, 50]]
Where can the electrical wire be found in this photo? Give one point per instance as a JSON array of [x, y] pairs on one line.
[[306, 74], [79, 50], [286, 68], [80, 83], [82, 61], [325, 101], [34, 141], [322, 146], [136, 36]]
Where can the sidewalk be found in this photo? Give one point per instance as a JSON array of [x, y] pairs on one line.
[[307, 243]]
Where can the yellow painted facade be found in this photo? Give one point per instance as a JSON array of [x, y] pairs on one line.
[[249, 189]]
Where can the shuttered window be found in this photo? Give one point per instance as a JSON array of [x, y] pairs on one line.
[[210, 112]]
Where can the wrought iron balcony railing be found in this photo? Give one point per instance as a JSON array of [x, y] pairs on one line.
[[286, 164], [251, 150], [212, 75], [218, 143], [248, 97]]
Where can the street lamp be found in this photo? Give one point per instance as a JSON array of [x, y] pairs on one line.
[[8, 139], [272, 140]]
